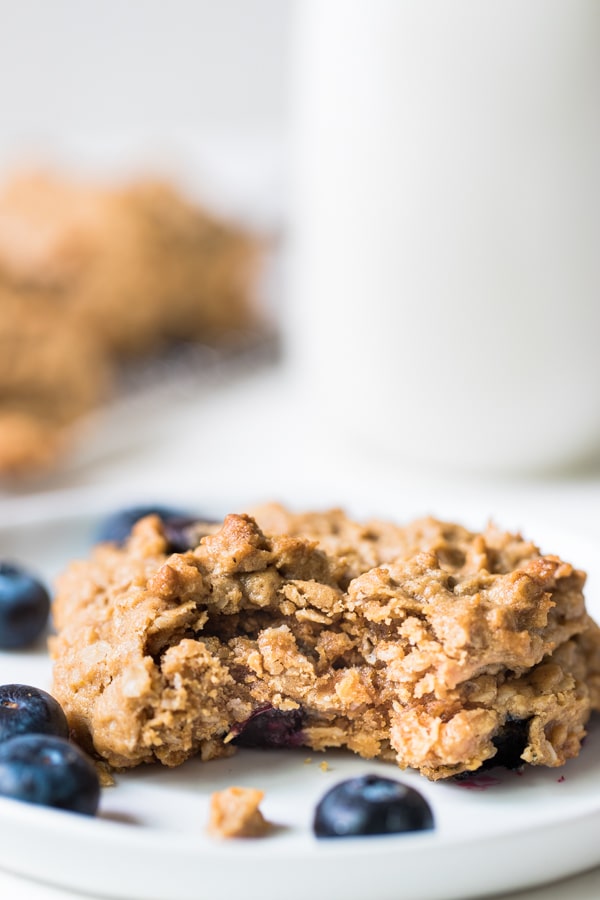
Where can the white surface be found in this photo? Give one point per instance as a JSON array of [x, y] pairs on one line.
[[545, 827]]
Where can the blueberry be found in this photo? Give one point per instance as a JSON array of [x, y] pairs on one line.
[[270, 727], [49, 771], [29, 710], [184, 532], [24, 607], [117, 526], [510, 743], [179, 526], [371, 805]]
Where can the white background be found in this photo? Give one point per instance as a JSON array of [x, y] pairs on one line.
[[97, 65]]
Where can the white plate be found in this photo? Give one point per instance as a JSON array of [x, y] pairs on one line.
[[504, 831]]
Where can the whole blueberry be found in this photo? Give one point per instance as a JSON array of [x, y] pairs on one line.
[[29, 710], [178, 526], [49, 771], [117, 526], [371, 805], [24, 607]]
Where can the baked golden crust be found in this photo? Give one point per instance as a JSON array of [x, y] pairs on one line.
[[422, 644]]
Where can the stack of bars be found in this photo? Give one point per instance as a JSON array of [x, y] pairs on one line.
[[93, 275], [427, 645]]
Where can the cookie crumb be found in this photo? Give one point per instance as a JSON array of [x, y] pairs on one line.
[[234, 813], [105, 775], [324, 766], [308, 761]]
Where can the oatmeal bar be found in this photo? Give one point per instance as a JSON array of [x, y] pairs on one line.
[[91, 276], [428, 645]]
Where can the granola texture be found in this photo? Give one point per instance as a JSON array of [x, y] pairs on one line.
[[426, 645], [91, 276], [234, 813]]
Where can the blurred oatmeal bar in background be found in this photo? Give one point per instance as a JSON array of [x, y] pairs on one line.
[[91, 276]]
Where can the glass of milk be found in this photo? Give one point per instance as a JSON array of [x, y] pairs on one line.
[[445, 266]]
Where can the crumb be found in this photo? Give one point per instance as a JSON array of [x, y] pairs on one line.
[[234, 812], [104, 772], [561, 779], [324, 766], [308, 761]]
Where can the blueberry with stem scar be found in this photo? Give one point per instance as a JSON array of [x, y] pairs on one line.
[[29, 710]]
